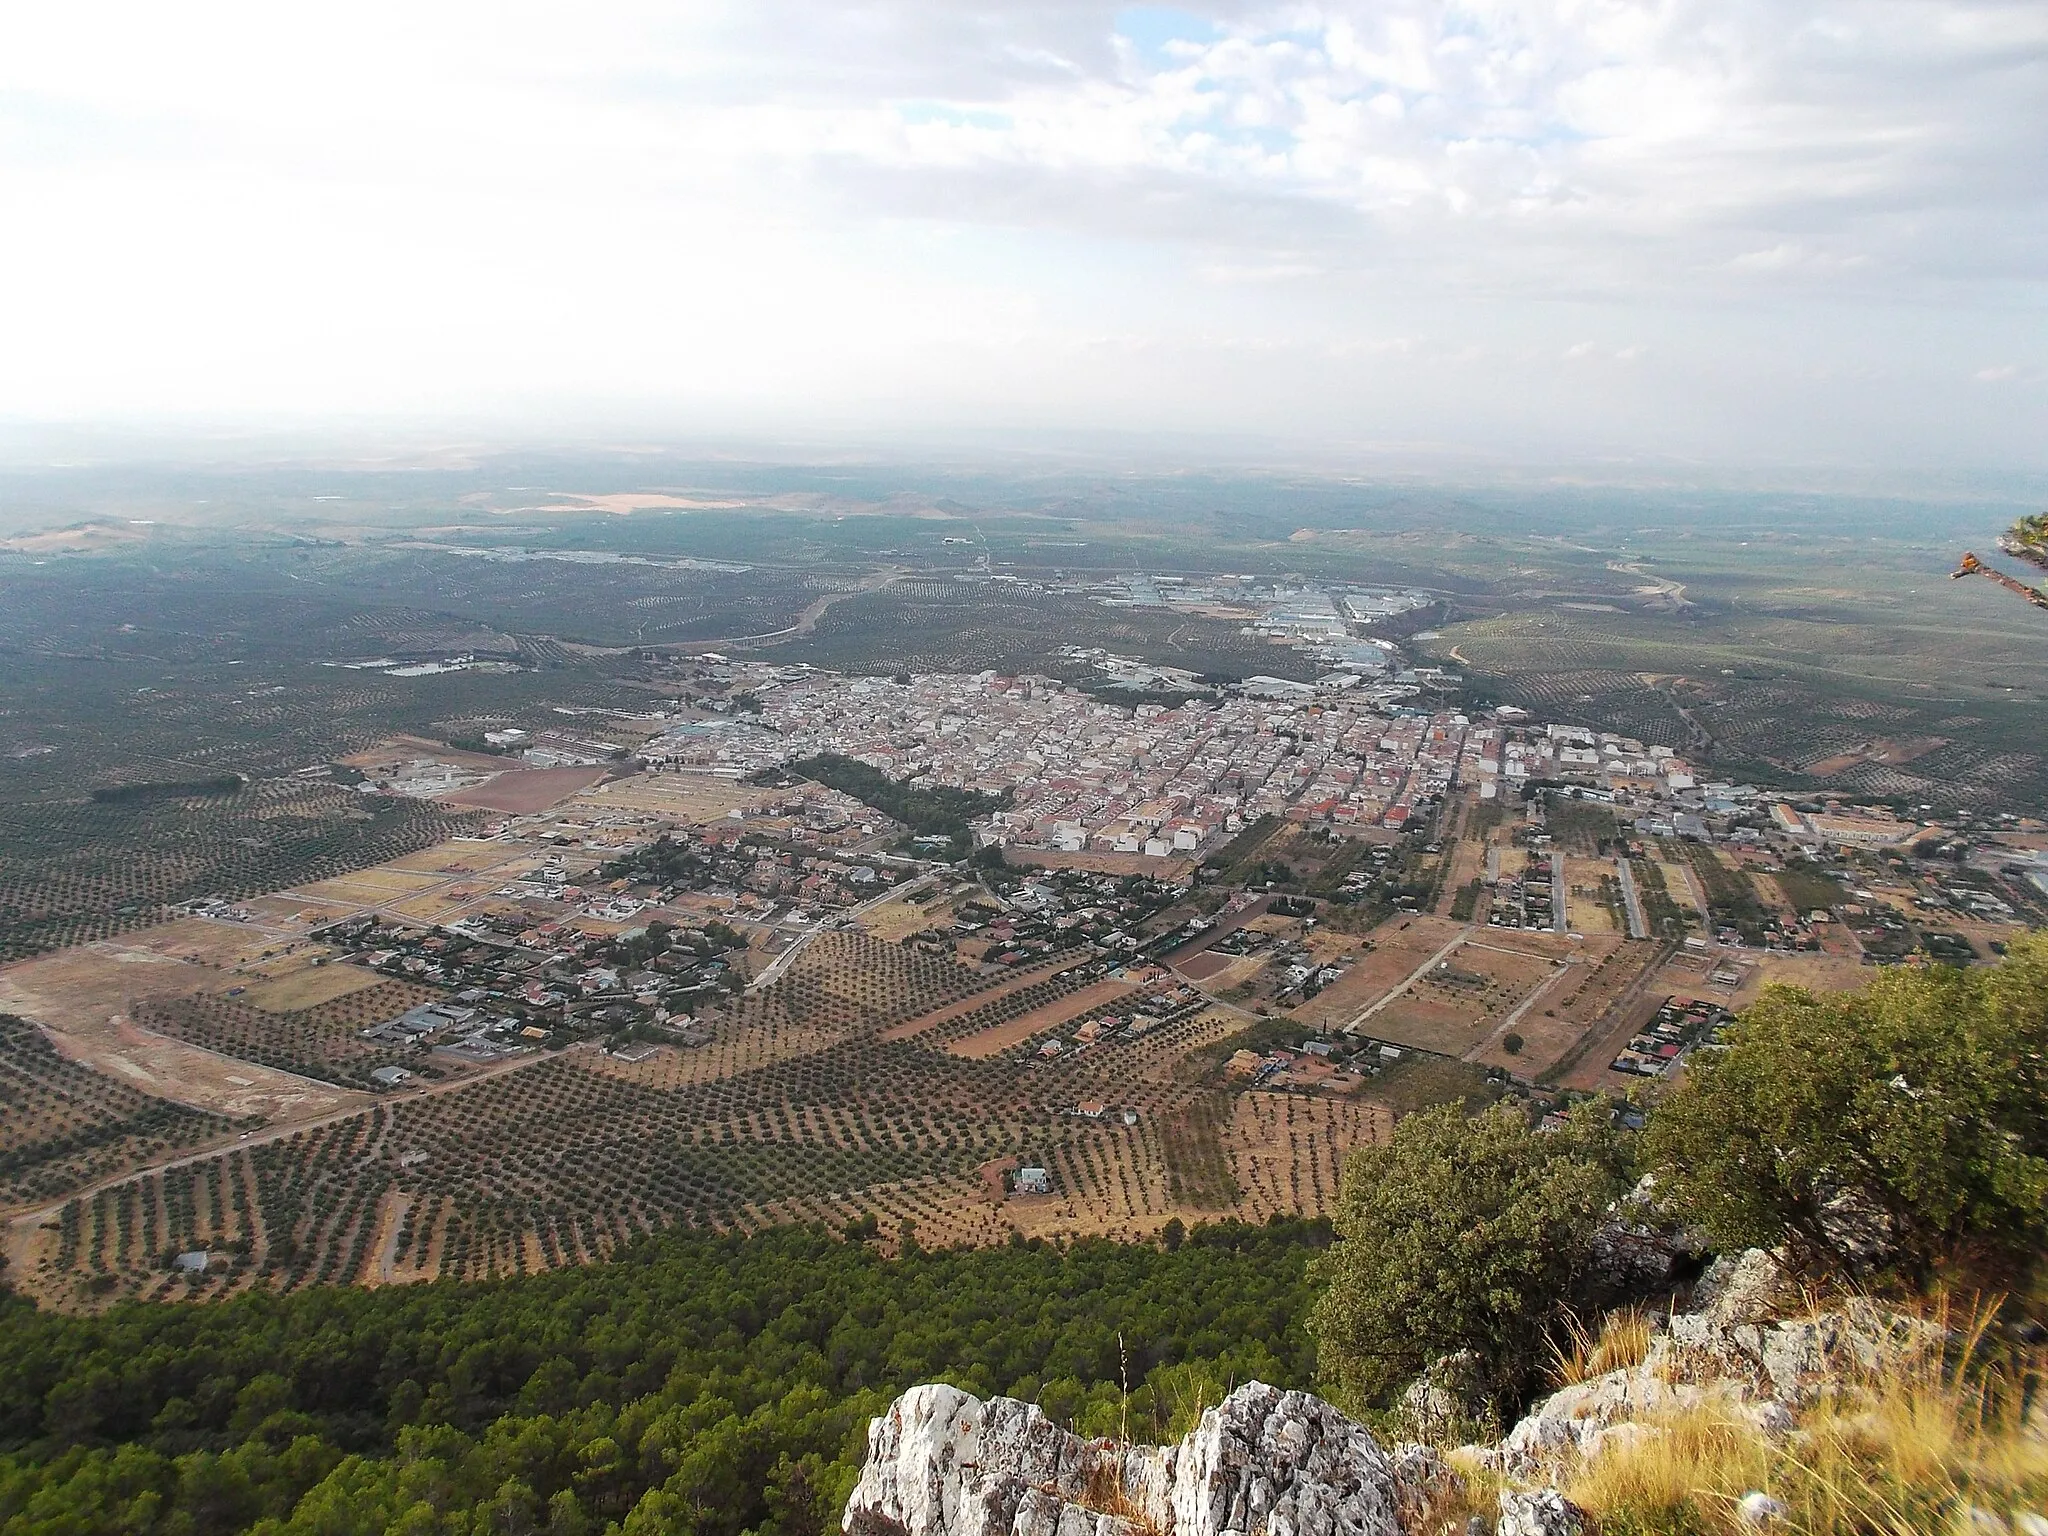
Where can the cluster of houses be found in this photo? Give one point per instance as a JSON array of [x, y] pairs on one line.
[[1679, 1025], [512, 988]]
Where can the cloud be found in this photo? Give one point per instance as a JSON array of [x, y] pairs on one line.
[[789, 209]]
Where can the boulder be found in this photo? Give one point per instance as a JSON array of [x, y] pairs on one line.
[[943, 1463], [1545, 1512], [1742, 1287]]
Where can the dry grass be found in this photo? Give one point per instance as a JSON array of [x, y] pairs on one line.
[[1581, 1354], [1908, 1452]]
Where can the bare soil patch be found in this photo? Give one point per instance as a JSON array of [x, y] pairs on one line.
[[524, 790], [993, 1042], [1201, 967], [82, 997]]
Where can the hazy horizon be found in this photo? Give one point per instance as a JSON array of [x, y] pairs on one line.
[[1466, 238]]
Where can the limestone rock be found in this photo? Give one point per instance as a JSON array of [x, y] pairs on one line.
[[1545, 1512], [1441, 1397], [944, 1463], [1636, 1249], [1731, 1357], [1741, 1287]]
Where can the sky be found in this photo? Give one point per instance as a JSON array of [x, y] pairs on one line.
[[1698, 232]]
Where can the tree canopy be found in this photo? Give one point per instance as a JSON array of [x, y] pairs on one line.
[[1901, 1126], [709, 1385], [1461, 1235]]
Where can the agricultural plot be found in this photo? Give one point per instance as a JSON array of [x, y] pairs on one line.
[[321, 1040], [1397, 950], [846, 979], [63, 1125], [959, 626], [87, 997], [71, 873], [1031, 1012], [796, 1109], [1458, 1002], [1286, 1151], [689, 799]]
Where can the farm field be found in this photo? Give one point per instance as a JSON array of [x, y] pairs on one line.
[[1461, 999], [86, 998], [318, 1039], [1398, 949], [994, 1039], [64, 1125], [799, 1106]]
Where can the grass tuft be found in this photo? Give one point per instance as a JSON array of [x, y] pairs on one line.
[[1910, 1450], [1580, 1354]]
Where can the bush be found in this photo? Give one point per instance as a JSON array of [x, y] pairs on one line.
[[1457, 1235], [1915, 1105]]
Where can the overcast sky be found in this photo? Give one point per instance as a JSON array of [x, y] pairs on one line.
[[1734, 232]]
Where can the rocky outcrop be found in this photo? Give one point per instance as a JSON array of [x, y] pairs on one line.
[[1732, 1355], [1270, 1463], [1545, 1512], [944, 1463]]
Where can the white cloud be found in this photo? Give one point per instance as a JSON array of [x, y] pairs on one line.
[[789, 210]]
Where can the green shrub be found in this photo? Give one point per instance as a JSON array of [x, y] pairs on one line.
[[1917, 1103], [1457, 1235]]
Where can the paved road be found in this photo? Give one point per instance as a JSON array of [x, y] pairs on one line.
[[1560, 917], [1638, 926]]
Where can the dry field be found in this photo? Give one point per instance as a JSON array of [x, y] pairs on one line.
[[522, 791], [797, 1109], [377, 887], [1398, 949], [897, 919], [321, 1039], [1169, 868], [1831, 973], [64, 1126], [997, 1038], [294, 982], [83, 997], [1585, 912], [685, 798], [1463, 998], [392, 754]]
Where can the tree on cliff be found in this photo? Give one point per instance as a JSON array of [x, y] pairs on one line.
[[1901, 1126], [1461, 1235]]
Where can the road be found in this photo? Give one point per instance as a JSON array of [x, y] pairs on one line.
[[1638, 926], [808, 619], [787, 958], [1560, 915], [1414, 976]]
